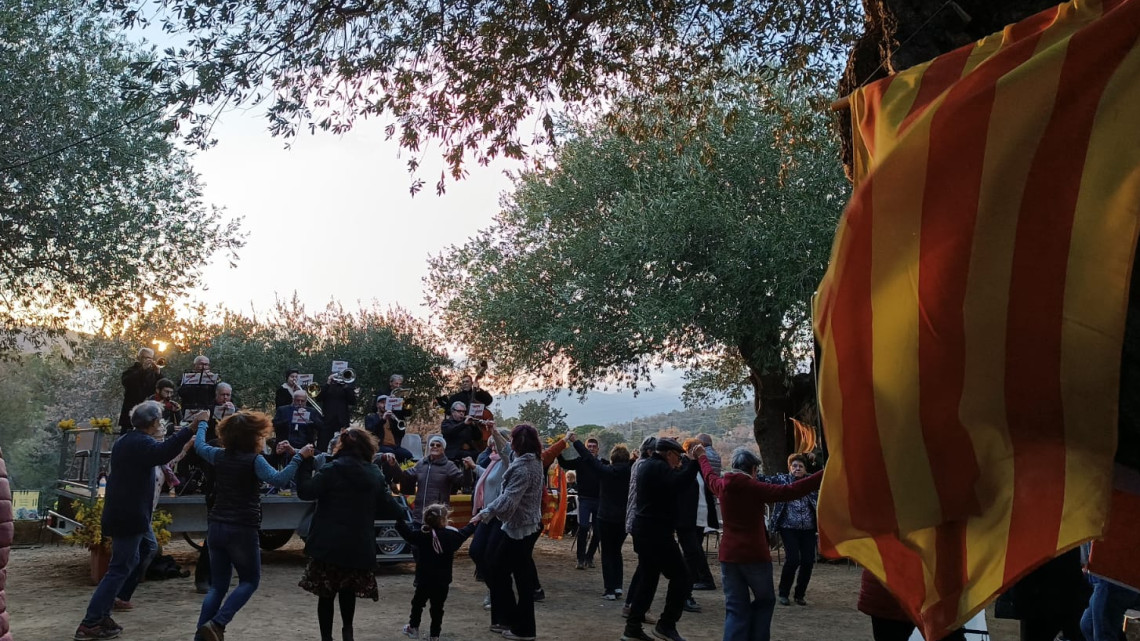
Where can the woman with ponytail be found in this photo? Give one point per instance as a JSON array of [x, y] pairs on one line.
[[437, 542]]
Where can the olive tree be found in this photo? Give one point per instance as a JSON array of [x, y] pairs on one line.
[[623, 255], [99, 210]]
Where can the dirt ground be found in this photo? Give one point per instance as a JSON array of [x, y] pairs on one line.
[[48, 591]]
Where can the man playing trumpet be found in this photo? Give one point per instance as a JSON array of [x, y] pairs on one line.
[[139, 382]]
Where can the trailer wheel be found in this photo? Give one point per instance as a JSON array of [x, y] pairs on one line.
[[273, 539], [389, 549]]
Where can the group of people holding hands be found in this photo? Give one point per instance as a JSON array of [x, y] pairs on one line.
[[642, 493]]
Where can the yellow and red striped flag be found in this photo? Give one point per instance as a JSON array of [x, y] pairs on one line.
[[972, 318]]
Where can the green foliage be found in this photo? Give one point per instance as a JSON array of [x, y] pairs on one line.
[[98, 210], [623, 254], [467, 75], [547, 419], [253, 354]]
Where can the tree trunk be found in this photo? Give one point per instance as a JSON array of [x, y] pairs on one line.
[[902, 33], [770, 427]]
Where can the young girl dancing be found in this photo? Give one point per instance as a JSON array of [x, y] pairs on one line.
[[235, 517], [437, 542], [351, 494]]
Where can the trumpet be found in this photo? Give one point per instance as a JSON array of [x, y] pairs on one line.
[[160, 363]]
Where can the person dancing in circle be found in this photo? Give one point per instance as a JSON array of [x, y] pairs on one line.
[[235, 517], [437, 542]]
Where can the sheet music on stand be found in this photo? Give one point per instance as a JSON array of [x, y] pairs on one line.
[[199, 378], [304, 380], [393, 404], [301, 416], [339, 366], [220, 412], [476, 410]]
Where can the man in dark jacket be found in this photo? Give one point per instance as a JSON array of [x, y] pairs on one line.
[[468, 393], [589, 488], [297, 423], [139, 382], [388, 427], [461, 434], [128, 510], [659, 480], [613, 496], [336, 399]]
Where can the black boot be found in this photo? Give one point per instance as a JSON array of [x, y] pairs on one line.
[[346, 634]]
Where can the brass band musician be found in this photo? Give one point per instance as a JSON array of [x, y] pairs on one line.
[[139, 382], [198, 386], [284, 394], [171, 410], [297, 422]]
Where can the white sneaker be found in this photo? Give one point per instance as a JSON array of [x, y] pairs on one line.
[[410, 632]]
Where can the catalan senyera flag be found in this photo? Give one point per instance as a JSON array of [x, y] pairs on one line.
[[972, 317]]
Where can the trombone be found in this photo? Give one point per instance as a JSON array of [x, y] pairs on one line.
[[314, 390]]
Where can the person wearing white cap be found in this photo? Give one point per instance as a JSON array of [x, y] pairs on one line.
[[435, 476]]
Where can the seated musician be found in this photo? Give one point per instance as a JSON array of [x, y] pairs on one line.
[[388, 427], [462, 434], [190, 467], [171, 411], [198, 394], [223, 407], [298, 422]]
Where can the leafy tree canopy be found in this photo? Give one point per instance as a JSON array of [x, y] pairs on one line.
[[253, 354], [470, 75], [98, 210], [623, 255], [547, 419]]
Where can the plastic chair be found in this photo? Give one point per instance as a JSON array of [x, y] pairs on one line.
[[414, 443]]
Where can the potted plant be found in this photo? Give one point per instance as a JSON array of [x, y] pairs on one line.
[[90, 535]]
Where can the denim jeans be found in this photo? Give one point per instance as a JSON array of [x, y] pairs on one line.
[[478, 548], [749, 599], [126, 552], [148, 548], [587, 524], [232, 547], [1104, 618]]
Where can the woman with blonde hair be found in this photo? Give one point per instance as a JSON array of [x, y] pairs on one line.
[[235, 517]]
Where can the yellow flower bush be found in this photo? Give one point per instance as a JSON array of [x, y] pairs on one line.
[[103, 425], [66, 424], [91, 534]]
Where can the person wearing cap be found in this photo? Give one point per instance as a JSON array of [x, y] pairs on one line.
[[434, 475], [659, 480], [388, 428]]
